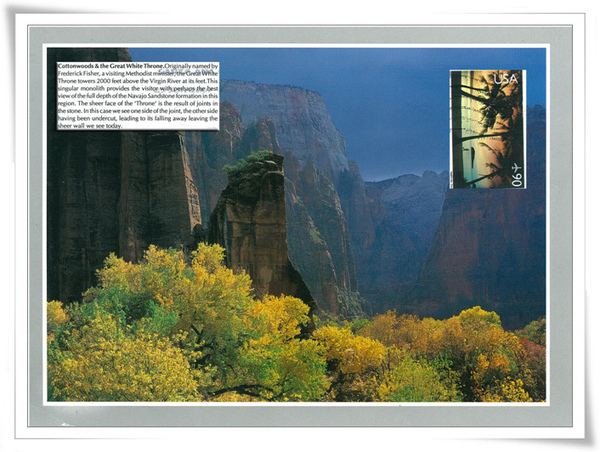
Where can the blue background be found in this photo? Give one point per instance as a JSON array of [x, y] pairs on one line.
[[390, 104]]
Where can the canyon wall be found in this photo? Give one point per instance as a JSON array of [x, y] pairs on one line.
[[489, 248], [250, 222], [406, 211], [110, 192]]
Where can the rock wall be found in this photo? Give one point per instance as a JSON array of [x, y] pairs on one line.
[[111, 192], [250, 222], [318, 235], [489, 248], [406, 212], [302, 121], [317, 231]]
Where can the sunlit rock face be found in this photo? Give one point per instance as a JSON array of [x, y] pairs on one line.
[[250, 222]]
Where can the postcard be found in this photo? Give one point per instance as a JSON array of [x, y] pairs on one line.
[[248, 226]]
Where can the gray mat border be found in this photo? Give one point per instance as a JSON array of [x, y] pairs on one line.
[[559, 413]]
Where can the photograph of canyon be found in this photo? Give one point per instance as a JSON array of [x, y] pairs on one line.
[[311, 249]]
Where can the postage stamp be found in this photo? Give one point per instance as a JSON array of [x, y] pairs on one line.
[[487, 123]]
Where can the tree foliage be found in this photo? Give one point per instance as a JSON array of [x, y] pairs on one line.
[[178, 327], [192, 318], [353, 362], [234, 171], [481, 357], [101, 362], [408, 379]]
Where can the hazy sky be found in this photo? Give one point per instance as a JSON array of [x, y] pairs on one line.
[[390, 104]]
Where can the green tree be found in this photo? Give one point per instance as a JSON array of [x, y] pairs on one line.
[[406, 379], [275, 364], [197, 316], [353, 363], [101, 362], [234, 171]]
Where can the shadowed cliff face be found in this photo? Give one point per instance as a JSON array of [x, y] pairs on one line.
[[490, 247], [318, 236], [302, 122], [413, 204], [111, 192], [405, 212], [250, 222]]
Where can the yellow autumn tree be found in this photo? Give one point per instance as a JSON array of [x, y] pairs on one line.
[[471, 350], [100, 362], [353, 363], [383, 328], [186, 316]]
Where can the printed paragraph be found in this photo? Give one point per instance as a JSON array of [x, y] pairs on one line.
[[137, 96]]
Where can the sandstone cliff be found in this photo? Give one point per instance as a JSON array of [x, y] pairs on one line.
[[110, 192], [406, 223], [250, 222], [318, 236], [405, 211], [413, 204], [489, 248], [324, 178], [302, 122]]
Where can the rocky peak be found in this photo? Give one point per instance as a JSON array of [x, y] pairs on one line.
[[302, 121], [250, 222]]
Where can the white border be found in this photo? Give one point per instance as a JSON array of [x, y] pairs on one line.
[[579, 141], [292, 46]]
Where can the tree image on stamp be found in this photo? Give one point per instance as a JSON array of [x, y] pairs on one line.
[[487, 140]]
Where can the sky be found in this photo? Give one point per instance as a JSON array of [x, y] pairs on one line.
[[390, 104]]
